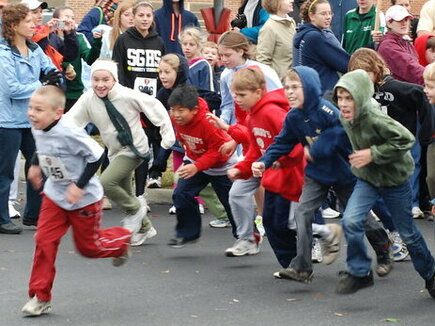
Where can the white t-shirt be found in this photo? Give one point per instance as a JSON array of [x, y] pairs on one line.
[[63, 153]]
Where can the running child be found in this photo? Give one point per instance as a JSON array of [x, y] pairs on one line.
[[314, 122], [382, 163], [203, 163], [109, 104], [69, 158], [266, 113]]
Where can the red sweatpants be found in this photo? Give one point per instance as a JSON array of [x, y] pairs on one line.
[[89, 239]]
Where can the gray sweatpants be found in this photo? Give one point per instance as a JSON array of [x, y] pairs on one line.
[[242, 206]]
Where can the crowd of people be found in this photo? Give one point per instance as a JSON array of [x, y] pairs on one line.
[[307, 121]]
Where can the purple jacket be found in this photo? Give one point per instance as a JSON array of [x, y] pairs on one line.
[[401, 58]]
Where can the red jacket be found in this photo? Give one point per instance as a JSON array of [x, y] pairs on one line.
[[201, 140], [264, 122]]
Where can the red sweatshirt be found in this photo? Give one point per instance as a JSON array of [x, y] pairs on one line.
[[264, 122], [202, 140]]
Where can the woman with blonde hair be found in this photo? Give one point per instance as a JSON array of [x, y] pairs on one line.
[[122, 20]]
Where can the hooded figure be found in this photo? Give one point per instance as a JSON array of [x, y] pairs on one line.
[[420, 45], [169, 24], [388, 140]]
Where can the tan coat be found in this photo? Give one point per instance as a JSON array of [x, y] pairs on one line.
[[275, 44]]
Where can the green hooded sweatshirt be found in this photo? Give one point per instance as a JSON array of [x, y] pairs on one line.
[[389, 141]]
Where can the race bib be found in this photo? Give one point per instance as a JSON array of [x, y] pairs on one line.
[[146, 85], [53, 168]]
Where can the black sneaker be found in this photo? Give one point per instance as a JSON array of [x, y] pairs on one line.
[[29, 221], [350, 284], [180, 242], [430, 286], [292, 274]]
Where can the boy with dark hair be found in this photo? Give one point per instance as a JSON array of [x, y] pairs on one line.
[[314, 123], [73, 196], [203, 163], [382, 163]]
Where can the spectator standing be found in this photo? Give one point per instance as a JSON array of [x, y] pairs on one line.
[[426, 24], [275, 41], [170, 20], [250, 19]]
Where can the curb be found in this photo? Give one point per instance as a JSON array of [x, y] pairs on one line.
[[159, 196]]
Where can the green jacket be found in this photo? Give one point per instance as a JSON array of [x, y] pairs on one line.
[[388, 140], [357, 31], [74, 88]]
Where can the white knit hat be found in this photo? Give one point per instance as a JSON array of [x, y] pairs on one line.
[[108, 65]]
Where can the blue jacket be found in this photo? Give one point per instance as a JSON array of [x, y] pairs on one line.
[[252, 32], [320, 50], [92, 19], [19, 77], [317, 125], [169, 25], [201, 75]]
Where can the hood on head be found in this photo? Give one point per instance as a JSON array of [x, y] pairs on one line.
[[420, 46], [312, 86], [360, 86], [167, 4]]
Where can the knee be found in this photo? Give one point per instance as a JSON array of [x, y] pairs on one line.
[[352, 225], [181, 198]]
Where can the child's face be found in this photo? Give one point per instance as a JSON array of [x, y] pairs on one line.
[[286, 6], [231, 58], [429, 90], [183, 115], [167, 75], [102, 82], [40, 112], [430, 55], [211, 55], [246, 98], [189, 47], [143, 19], [295, 93], [127, 19], [346, 104], [322, 17]]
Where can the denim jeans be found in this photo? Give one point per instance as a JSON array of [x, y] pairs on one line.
[[188, 216], [13, 140], [415, 177], [398, 200]]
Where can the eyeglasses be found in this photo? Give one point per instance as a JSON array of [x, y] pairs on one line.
[[325, 13], [293, 88]]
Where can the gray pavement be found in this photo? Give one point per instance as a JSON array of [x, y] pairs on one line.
[[198, 285]]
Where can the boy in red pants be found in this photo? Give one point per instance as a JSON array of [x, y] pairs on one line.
[[73, 196]]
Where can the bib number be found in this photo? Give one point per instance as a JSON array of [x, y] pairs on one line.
[[53, 168]]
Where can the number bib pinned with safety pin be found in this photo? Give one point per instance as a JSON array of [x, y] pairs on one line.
[[53, 168]]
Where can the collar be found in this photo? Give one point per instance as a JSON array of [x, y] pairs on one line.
[[278, 18], [50, 126]]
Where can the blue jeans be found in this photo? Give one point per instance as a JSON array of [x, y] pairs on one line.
[[415, 177], [13, 140], [398, 200], [188, 216]]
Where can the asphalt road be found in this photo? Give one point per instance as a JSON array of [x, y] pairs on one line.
[[198, 285]]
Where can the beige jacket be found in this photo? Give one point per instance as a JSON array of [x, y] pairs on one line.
[[130, 103], [275, 44]]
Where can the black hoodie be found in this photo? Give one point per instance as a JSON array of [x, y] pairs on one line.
[[138, 60]]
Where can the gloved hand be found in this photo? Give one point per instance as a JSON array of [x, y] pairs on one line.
[[53, 77]]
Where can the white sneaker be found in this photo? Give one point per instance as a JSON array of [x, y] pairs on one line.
[[13, 213], [259, 224], [417, 212], [316, 251], [220, 223], [242, 247], [154, 183], [330, 213], [143, 201], [201, 209], [35, 307], [172, 210], [121, 260], [400, 251], [139, 238], [133, 223]]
